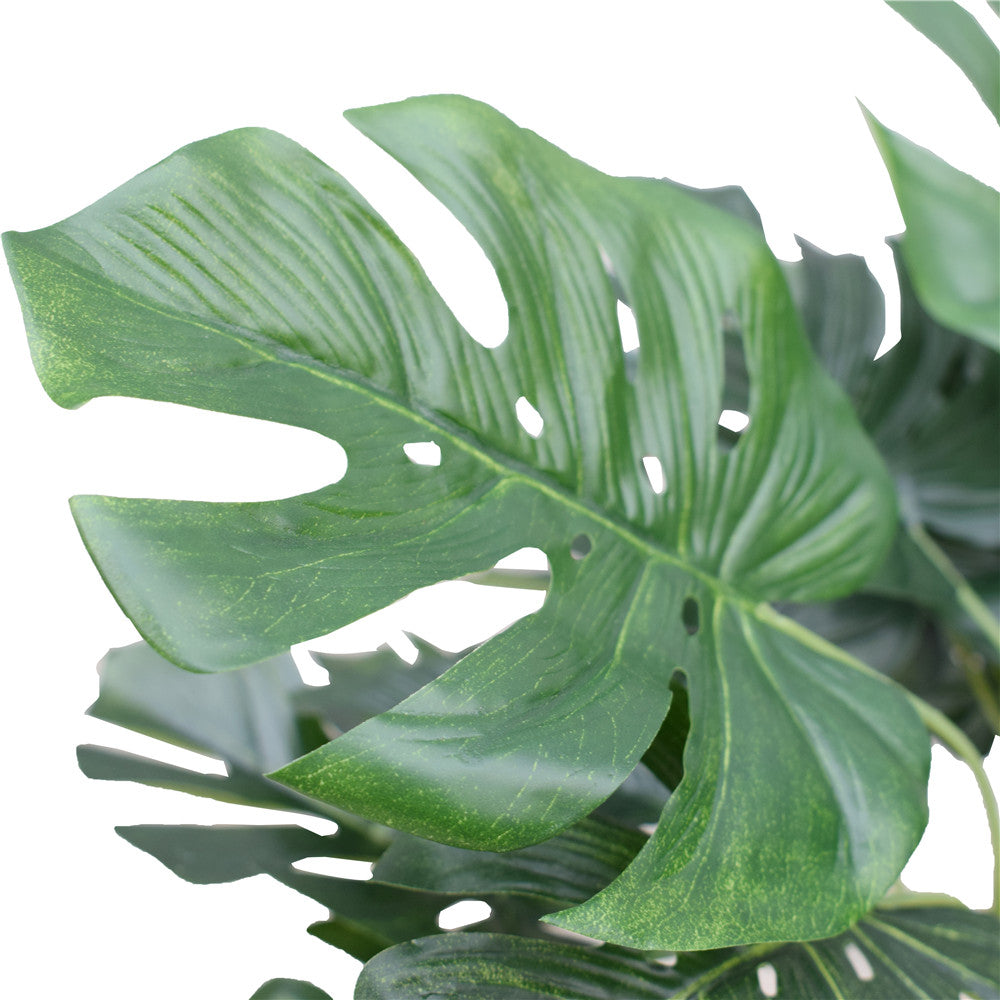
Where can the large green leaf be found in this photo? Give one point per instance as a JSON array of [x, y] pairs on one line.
[[959, 35], [243, 275], [952, 238], [917, 953]]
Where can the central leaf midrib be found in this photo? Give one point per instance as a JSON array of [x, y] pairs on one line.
[[506, 465]]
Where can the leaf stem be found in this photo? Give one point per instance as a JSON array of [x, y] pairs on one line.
[[970, 602], [961, 746], [972, 667], [522, 579]]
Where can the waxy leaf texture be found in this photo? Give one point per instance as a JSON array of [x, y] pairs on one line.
[[243, 275]]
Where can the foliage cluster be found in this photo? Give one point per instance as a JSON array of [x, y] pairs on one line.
[[713, 735]]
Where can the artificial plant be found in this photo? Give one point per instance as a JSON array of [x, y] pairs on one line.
[[713, 735]]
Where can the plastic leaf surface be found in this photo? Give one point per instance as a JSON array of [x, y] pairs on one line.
[[366, 916], [905, 953], [289, 989], [243, 275], [959, 35], [952, 240]]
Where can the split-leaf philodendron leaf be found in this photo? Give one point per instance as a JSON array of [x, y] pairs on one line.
[[243, 275], [913, 951]]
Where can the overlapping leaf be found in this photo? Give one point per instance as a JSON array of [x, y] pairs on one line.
[[289, 989], [952, 239], [959, 35], [929, 405], [903, 953], [243, 275], [366, 917]]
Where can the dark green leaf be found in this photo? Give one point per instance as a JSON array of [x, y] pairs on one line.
[[563, 871], [328, 323], [952, 239], [959, 35], [900, 954], [105, 764], [929, 404], [366, 916], [245, 718], [289, 989], [366, 684]]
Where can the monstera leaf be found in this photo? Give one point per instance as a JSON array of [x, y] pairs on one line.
[[911, 952], [952, 239], [243, 275], [366, 917], [959, 35], [289, 989]]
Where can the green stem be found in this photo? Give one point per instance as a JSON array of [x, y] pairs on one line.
[[961, 746], [973, 669], [521, 579], [970, 602]]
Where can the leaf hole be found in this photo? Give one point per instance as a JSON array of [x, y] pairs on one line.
[[859, 962], [668, 959], [423, 452], [654, 473], [734, 420], [627, 328], [356, 871], [464, 913], [690, 615], [767, 979], [526, 569], [528, 417], [580, 547]]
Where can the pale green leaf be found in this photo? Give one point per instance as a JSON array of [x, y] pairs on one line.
[[952, 240], [959, 35]]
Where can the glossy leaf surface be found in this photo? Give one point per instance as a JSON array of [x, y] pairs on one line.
[[243, 275], [952, 238], [906, 953], [289, 989], [959, 35]]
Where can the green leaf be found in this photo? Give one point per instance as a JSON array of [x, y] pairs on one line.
[[367, 916], [913, 647], [959, 35], [952, 239], [251, 719], [904, 953], [245, 718], [289, 989], [366, 684], [568, 869], [928, 404], [105, 764], [243, 275]]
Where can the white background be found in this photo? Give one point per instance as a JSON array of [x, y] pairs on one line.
[[759, 94]]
